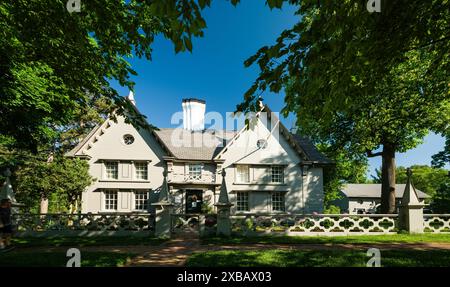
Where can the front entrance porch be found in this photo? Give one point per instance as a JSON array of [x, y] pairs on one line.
[[194, 201]]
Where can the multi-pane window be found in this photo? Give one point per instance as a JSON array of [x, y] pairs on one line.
[[277, 174], [110, 200], [195, 171], [278, 201], [242, 201], [242, 173], [111, 170], [141, 200], [141, 170]]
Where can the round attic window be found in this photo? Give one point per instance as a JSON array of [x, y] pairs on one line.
[[261, 143], [128, 139]]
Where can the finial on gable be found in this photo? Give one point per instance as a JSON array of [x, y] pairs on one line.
[[130, 97]]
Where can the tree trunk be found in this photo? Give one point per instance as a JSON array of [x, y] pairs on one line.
[[44, 205], [388, 179], [44, 200]]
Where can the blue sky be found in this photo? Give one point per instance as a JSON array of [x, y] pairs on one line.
[[214, 71]]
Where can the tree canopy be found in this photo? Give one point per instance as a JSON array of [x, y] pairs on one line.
[[53, 63], [62, 181], [441, 200], [348, 168], [374, 84], [425, 178], [443, 157]]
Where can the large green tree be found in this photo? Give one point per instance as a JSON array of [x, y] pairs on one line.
[[374, 84], [348, 168], [441, 200], [425, 178], [52, 61], [63, 180], [442, 158]]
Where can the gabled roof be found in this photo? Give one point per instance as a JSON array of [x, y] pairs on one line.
[[303, 146], [97, 131], [73, 152], [373, 190], [311, 151], [193, 145], [208, 144]]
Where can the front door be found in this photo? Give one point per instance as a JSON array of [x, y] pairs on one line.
[[194, 200]]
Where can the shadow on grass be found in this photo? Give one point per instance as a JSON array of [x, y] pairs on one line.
[[86, 241], [59, 259], [317, 258]]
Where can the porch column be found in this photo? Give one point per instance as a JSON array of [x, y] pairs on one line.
[[163, 211], [411, 208], [223, 210]]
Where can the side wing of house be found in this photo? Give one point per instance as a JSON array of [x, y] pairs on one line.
[[266, 173], [127, 165]]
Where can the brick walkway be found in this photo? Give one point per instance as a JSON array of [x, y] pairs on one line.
[[171, 253]]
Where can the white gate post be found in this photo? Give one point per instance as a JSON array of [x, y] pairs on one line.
[[411, 208], [201, 224], [223, 210], [163, 211]]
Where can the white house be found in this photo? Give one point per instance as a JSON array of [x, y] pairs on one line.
[[268, 169], [366, 198]]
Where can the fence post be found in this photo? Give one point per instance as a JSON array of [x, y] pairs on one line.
[[162, 220], [411, 209], [201, 224], [163, 211], [223, 210]]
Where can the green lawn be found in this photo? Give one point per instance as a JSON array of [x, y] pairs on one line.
[[86, 241], [355, 239], [317, 258], [59, 259]]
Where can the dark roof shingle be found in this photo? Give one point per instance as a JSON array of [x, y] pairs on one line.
[[373, 190], [198, 145], [310, 150]]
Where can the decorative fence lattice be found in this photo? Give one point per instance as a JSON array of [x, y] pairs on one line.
[[83, 224], [257, 224], [142, 224], [436, 223], [203, 224]]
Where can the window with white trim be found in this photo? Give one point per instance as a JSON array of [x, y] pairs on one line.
[[242, 201], [277, 174], [278, 201], [195, 171], [141, 200], [242, 173], [141, 170], [110, 200], [111, 170]]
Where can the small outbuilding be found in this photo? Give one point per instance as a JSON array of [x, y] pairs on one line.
[[366, 198]]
